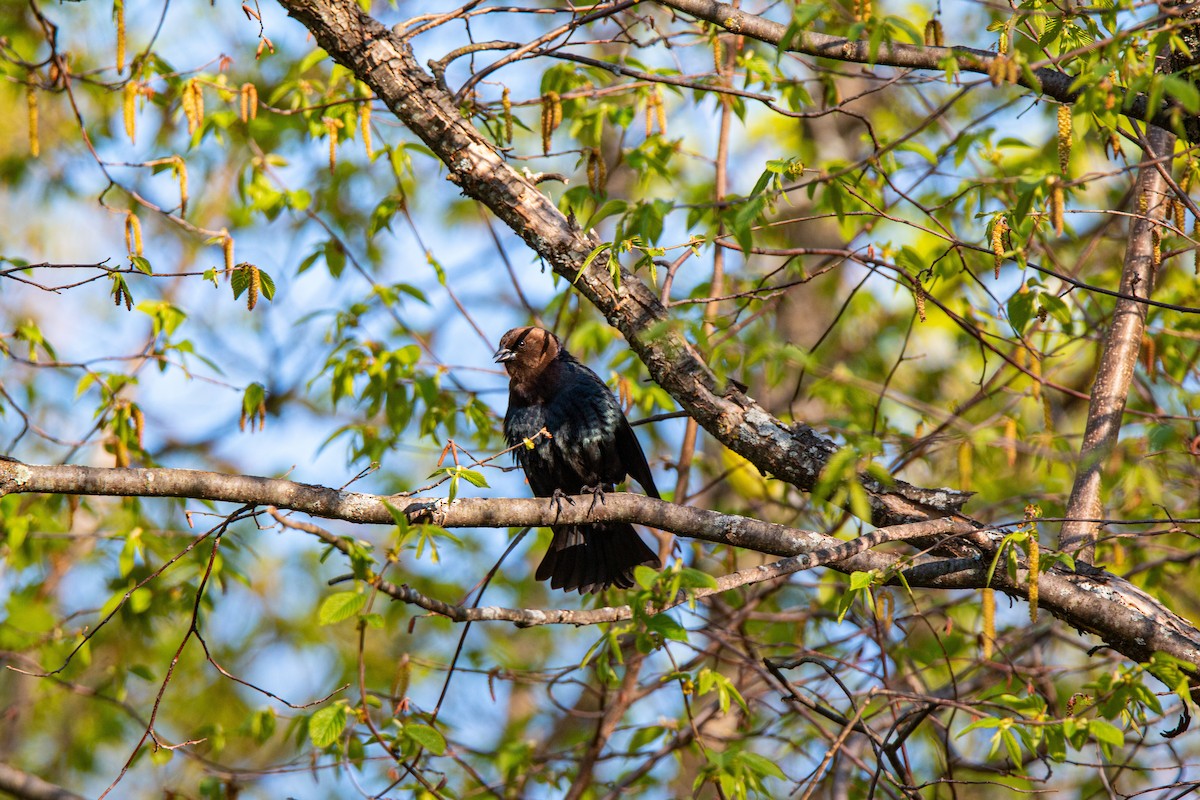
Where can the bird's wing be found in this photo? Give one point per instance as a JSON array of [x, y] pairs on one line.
[[524, 422], [633, 458], [585, 419]]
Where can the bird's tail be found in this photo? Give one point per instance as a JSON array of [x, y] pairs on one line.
[[595, 556]]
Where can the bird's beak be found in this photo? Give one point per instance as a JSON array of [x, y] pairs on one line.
[[504, 354]]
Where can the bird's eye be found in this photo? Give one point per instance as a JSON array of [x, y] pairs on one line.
[[520, 344]]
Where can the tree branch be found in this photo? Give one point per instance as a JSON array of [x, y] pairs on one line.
[[1128, 619], [24, 786], [1043, 80], [1122, 343]]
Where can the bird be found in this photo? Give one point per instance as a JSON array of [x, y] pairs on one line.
[[591, 448]]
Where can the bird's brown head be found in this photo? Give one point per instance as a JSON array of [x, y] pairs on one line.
[[526, 351]]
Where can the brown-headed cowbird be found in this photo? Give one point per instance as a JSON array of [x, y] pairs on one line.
[[591, 448]]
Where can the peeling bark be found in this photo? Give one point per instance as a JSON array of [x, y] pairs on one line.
[[1118, 359]]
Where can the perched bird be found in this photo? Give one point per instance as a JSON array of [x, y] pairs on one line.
[[591, 448]]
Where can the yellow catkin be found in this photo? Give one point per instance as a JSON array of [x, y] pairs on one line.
[[249, 99], [989, 622], [1010, 441], [1034, 558], [1150, 357], [593, 185], [660, 111], [1114, 145], [506, 105], [364, 124], [863, 10], [133, 234], [31, 102], [965, 466], [1014, 71], [227, 247], [139, 426], [1002, 45], [1057, 199], [649, 116], [919, 297], [181, 173], [255, 285], [130, 109], [1064, 138], [884, 609], [120, 453], [999, 228], [1156, 246], [548, 126], [997, 69], [1196, 252], [1047, 414], [198, 92], [119, 17], [193, 105], [187, 103], [331, 128], [718, 54], [1177, 206], [1035, 368], [934, 36]]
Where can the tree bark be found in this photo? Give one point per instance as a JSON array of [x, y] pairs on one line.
[[24, 786], [1122, 343]]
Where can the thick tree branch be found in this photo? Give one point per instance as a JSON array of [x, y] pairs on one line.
[[24, 786], [1045, 81], [794, 453], [1126, 618], [1122, 343]]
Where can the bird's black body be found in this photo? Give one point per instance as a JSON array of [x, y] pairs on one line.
[[591, 445]]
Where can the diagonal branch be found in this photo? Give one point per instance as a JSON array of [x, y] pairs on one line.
[[25, 786]]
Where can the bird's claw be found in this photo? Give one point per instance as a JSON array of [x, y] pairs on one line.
[[597, 493], [557, 499]]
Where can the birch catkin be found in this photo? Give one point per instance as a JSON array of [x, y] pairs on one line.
[[119, 17], [130, 111], [989, 622], [999, 228], [31, 102]]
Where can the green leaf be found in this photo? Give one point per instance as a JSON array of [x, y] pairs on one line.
[[762, 765], [426, 737], [474, 478], [340, 606], [861, 580], [1020, 310], [695, 579], [1106, 733], [325, 726]]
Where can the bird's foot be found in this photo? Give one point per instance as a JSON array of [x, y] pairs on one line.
[[597, 493], [557, 499]]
